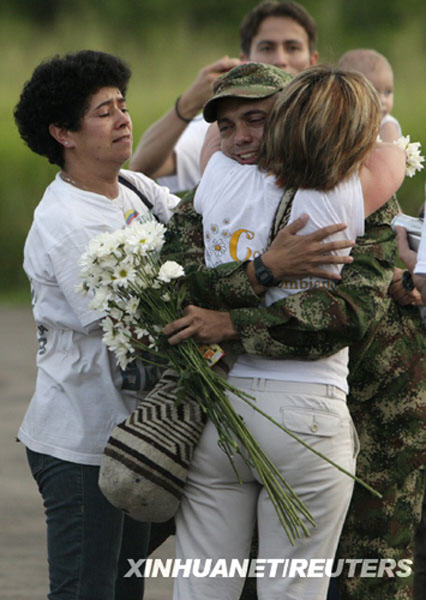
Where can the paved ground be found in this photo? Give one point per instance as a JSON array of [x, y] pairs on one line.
[[23, 570]]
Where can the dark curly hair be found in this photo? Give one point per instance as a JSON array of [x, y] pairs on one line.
[[59, 93]]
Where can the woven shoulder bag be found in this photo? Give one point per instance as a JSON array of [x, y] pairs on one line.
[[147, 457]]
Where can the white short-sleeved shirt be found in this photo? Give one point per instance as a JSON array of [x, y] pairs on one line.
[[187, 152], [81, 393], [238, 204]]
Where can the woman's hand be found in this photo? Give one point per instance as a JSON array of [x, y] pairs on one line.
[[292, 256]]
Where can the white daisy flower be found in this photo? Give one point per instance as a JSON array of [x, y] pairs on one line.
[[414, 160], [100, 299], [140, 332], [132, 305]]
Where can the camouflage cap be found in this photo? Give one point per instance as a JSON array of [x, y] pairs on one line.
[[249, 80]]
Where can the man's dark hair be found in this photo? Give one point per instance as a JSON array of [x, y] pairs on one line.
[[59, 93], [291, 10]]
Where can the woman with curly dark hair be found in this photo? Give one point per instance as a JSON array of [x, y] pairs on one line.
[[73, 111]]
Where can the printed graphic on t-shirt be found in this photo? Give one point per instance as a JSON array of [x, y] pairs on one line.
[[308, 283], [130, 215], [223, 244], [42, 338]]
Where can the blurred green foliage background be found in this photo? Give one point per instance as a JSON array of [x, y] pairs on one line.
[[166, 43]]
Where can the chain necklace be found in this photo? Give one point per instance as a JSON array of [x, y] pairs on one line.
[[68, 179]]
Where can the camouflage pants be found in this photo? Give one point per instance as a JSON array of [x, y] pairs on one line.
[[382, 529], [420, 556]]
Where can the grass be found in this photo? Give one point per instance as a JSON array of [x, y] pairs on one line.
[[16, 297], [164, 61]]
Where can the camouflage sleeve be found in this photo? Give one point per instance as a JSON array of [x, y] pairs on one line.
[[222, 288], [320, 322]]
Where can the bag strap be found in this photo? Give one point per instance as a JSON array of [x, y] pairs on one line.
[[140, 194], [282, 214]]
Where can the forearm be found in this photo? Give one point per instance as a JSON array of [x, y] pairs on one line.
[[233, 284], [307, 326], [409, 257], [310, 325], [154, 155]]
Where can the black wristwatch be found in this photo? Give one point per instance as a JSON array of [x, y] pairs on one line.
[[263, 275], [407, 281]]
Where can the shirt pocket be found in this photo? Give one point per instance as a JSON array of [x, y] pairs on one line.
[[311, 422]]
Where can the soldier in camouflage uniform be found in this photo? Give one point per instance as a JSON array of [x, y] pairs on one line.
[[388, 403], [387, 373]]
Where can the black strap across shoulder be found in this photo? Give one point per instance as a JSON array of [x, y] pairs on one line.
[[134, 189], [282, 215]]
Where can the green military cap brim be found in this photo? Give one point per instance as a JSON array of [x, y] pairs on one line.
[[253, 81], [255, 93]]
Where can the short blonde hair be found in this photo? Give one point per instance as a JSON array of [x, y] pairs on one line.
[[321, 128], [364, 60]]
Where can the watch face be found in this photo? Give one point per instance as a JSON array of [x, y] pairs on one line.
[[407, 281]]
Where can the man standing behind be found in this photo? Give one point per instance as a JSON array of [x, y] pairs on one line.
[[278, 33]]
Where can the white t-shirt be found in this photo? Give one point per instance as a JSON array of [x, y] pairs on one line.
[[390, 119], [187, 152], [81, 393], [238, 204], [420, 268]]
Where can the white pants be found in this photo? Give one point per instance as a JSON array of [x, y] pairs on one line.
[[218, 514]]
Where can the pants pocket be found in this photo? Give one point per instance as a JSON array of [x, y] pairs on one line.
[[311, 422]]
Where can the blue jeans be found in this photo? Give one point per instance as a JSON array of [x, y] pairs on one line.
[[88, 539]]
